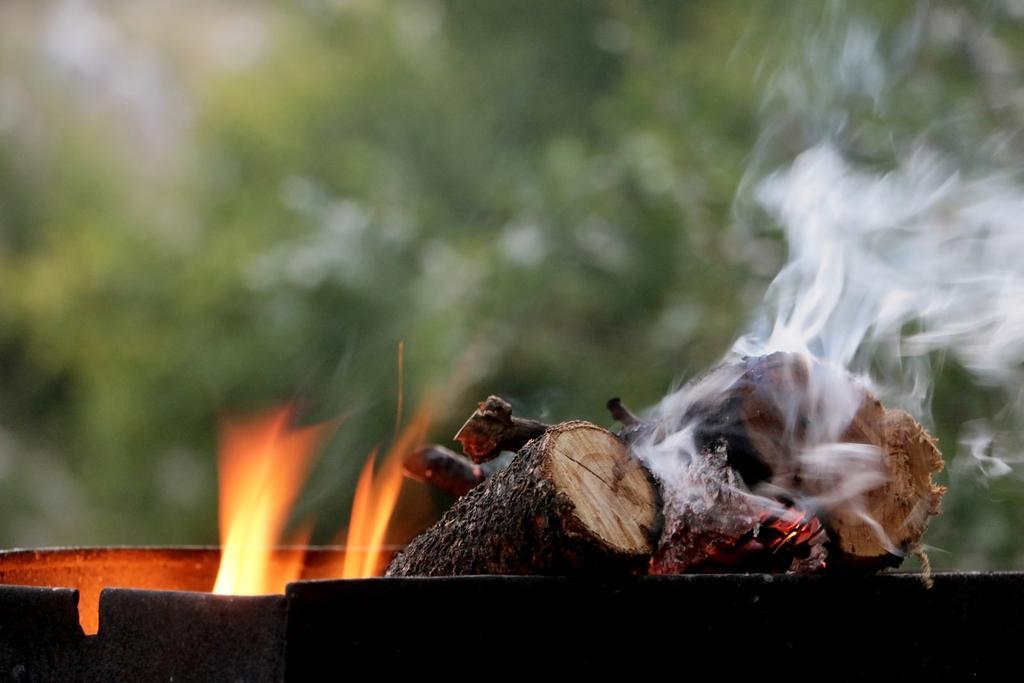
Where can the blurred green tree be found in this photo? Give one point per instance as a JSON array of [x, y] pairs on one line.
[[548, 184]]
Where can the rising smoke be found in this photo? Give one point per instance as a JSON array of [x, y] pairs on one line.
[[903, 255]]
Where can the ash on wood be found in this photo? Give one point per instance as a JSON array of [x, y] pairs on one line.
[[713, 525], [572, 501], [759, 425]]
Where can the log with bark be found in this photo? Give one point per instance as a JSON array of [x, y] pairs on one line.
[[575, 499], [571, 501]]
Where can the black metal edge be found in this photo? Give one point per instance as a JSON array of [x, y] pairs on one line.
[[27, 610], [182, 636], [39, 632]]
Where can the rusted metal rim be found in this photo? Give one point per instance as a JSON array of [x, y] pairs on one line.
[[91, 570], [189, 568]]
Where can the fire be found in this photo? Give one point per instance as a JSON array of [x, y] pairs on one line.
[[264, 462], [375, 500]]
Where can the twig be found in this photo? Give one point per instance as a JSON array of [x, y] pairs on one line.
[[621, 413], [446, 470]]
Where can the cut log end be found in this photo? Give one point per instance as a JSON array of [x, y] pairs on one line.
[[892, 519], [611, 494]]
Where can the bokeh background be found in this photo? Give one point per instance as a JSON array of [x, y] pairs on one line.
[[211, 208]]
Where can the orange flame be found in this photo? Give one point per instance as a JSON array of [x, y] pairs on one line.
[[263, 465], [264, 462], [376, 497]]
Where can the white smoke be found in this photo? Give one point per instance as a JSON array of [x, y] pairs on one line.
[[888, 272], [887, 268]]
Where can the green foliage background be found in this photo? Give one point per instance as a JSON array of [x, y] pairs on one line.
[[551, 190]]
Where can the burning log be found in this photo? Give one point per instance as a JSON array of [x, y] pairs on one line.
[[714, 525], [446, 470], [758, 428], [794, 468], [572, 501]]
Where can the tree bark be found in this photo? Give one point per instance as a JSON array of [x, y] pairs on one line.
[[573, 501]]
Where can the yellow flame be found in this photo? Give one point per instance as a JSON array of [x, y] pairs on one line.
[[264, 462], [375, 499], [263, 465]]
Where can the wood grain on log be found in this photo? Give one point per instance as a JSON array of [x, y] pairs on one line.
[[894, 516], [573, 501]]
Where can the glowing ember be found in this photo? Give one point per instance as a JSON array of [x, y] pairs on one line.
[[263, 464], [778, 539], [790, 530]]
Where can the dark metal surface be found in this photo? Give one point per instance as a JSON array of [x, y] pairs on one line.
[[887, 626], [966, 627], [39, 633], [145, 636], [173, 636]]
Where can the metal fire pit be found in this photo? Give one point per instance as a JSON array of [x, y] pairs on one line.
[[967, 625], [159, 623]]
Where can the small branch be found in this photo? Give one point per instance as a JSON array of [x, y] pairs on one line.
[[446, 470], [621, 413], [491, 429]]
